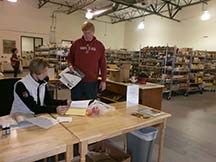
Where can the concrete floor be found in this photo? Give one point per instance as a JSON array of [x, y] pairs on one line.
[[191, 131], [190, 134]]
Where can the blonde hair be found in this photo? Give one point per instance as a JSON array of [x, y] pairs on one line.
[[38, 65], [88, 25]]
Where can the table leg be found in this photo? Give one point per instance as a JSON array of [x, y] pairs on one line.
[[69, 153], [83, 151], [161, 140]]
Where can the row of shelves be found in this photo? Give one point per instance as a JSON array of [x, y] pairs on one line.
[[177, 69], [55, 55]]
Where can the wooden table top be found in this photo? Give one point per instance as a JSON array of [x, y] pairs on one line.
[[120, 121], [34, 143], [148, 85]]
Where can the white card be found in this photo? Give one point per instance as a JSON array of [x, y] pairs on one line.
[[132, 95], [64, 119]]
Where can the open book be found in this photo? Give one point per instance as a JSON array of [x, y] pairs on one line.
[[71, 78], [25, 120], [150, 112]]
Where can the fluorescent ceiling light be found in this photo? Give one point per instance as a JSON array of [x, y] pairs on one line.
[[205, 16], [141, 25], [12, 0], [89, 15]]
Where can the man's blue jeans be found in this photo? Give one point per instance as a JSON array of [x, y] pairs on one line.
[[84, 91]]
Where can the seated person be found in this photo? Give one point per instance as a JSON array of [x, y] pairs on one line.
[[31, 93]]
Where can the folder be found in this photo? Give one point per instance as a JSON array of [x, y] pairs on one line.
[[76, 111]]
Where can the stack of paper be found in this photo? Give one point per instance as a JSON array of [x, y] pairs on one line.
[[150, 112], [78, 108]]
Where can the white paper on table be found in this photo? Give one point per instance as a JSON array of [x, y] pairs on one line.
[[64, 119], [43, 122], [132, 95], [80, 104], [7, 120]]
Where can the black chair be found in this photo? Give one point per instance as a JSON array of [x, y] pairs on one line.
[[6, 95]]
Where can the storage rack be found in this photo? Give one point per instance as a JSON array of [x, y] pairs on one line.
[[197, 64], [118, 57], [181, 71], [55, 55], [210, 71]]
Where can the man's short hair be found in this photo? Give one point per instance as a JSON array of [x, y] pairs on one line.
[[38, 65], [88, 25]]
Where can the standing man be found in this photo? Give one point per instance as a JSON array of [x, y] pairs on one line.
[[88, 55]]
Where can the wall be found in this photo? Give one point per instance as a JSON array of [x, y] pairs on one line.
[[193, 30], [158, 32], [189, 32], [24, 18], [69, 27]]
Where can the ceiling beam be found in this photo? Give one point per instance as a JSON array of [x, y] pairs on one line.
[[42, 3], [59, 4], [79, 5], [195, 3], [144, 9]]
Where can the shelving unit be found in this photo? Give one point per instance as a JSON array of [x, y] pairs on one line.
[[55, 55], [135, 61], [197, 65], [181, 71], [152, 61], [118, 57], [210, 71], [27, 56]]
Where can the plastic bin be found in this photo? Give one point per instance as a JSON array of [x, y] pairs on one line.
[[140, 144]]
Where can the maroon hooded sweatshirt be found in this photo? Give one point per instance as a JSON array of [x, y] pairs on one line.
[[89, 57]]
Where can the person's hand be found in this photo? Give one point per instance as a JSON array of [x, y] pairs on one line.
[[61, 110], [71, 67], [102, 86]]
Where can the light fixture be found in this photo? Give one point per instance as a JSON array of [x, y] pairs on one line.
[[12, 1], [89, 15], [206, 15], [141, 25]]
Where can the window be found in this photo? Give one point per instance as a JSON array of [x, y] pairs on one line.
[[29, 44], [8, 45]]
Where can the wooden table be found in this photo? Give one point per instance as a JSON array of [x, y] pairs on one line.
[[150, 94], [94, 129], [34, 143]]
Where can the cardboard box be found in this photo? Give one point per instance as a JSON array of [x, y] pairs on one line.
[[105, 151], [121, 74]]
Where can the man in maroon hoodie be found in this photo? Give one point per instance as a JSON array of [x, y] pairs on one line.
[[88, 55]]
